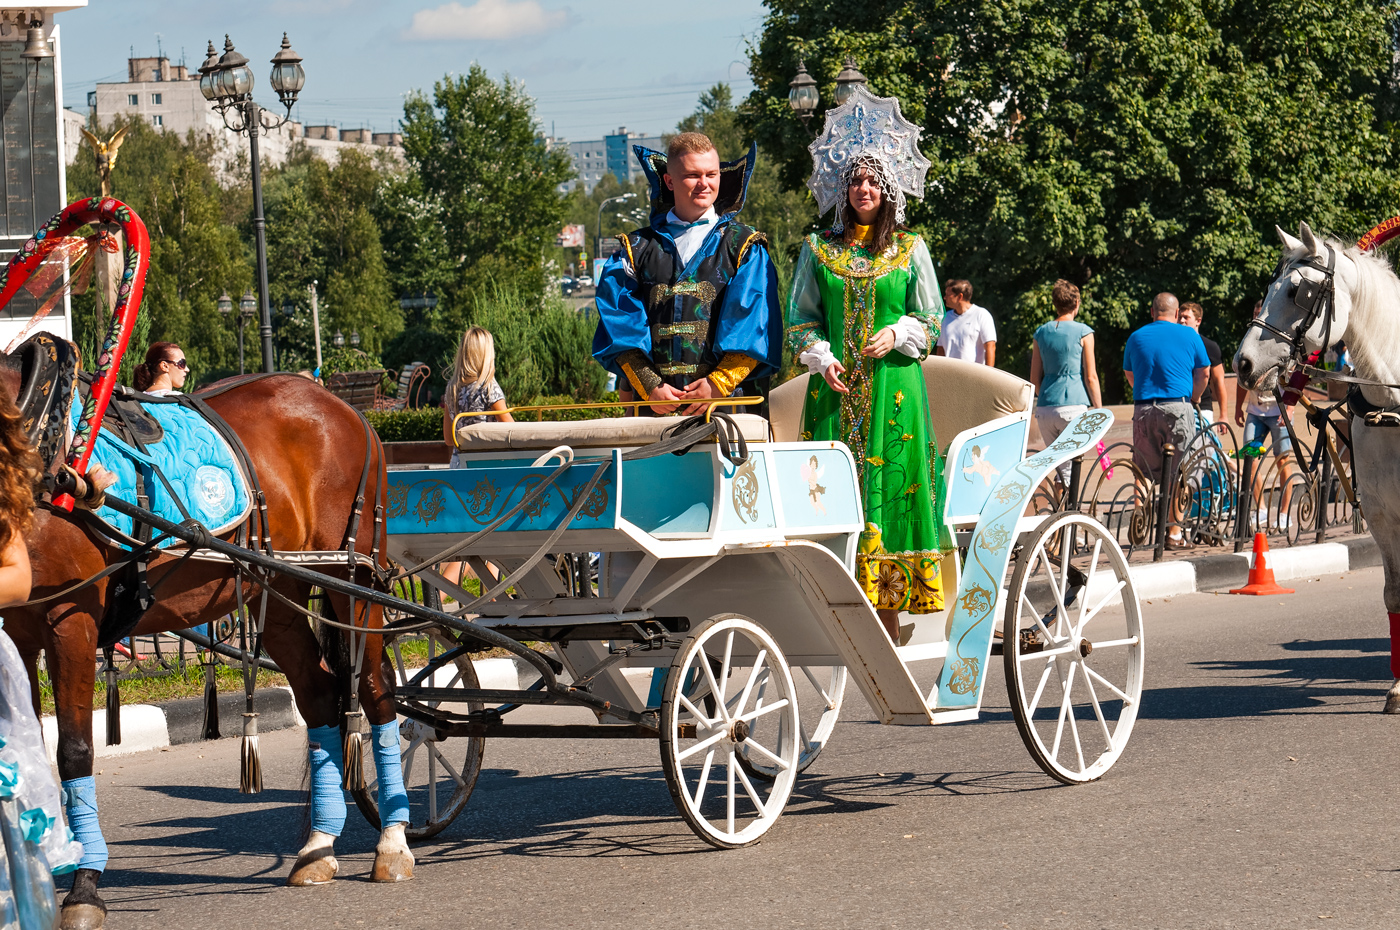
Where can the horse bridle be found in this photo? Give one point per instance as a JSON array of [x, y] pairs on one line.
[[1314, 298]]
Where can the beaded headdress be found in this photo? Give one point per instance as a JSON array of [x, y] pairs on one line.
[[867, 132]]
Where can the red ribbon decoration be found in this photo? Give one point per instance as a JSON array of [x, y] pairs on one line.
[[93, 211], [1379, 235]]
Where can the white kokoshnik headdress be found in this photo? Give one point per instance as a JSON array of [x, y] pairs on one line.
[[867, 132]]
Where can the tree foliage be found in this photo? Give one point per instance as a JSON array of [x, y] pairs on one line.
[[487, 181], [1130, 147]]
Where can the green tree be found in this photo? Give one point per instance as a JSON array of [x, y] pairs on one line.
[[486, 179], [195, 254], [1129, 147]]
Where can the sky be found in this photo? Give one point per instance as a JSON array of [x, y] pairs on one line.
[[592, 66]]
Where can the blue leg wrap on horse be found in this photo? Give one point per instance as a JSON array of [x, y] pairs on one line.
[[80, 804], [327, 776], [388, 764]]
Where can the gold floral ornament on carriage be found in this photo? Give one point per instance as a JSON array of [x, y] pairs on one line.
[[867, 132]]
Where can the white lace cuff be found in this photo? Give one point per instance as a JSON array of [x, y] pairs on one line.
[[817, 357], [910, 337]]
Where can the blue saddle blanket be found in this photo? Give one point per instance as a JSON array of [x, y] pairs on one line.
[[193, 457]]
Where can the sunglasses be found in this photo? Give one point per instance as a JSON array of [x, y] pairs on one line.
[[180, 364]]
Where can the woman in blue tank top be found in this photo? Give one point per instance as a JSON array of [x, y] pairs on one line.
[[1062, 369]]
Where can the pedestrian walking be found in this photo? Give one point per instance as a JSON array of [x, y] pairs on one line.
[[1062, 369], [1191, 315], [968, 331], [1166, 366]]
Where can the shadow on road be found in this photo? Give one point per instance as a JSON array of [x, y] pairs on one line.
[[1309, 677]]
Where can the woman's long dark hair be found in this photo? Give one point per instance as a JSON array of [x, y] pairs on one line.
[[145, 374], [885, 223]]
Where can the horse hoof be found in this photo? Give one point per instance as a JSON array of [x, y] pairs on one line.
[[83, 917], [1392, 702], [314, 868], [395, 866]]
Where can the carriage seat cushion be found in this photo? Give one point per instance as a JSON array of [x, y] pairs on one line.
[[605, 433], [961, 395]]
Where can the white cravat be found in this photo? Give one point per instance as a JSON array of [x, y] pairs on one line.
[[690, 236]]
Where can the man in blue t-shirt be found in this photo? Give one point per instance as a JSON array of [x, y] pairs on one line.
[[1166, 365]]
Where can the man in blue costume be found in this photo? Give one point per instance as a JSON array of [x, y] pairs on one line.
[[688, 307]]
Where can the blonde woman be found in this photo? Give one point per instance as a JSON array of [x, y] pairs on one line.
[[472, 387]]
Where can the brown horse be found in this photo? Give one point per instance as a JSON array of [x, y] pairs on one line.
[[309, 450]]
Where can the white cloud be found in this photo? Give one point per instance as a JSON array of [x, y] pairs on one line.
[[485, 19]]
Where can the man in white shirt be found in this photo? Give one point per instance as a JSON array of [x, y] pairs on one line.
[[968, 331]]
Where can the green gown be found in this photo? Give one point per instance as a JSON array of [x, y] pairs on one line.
[[843, 295]]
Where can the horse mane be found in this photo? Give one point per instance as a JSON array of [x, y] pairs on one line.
[[1375, 312]]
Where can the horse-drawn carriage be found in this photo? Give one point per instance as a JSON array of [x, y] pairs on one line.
[[723, 619]]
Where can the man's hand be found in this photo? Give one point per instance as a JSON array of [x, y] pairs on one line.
[[666, 393], [879, 345], [833, 374], [699, 390], [1239, 416]]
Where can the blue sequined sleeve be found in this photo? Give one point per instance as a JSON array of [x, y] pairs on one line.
[[751, 317], [622, 320]]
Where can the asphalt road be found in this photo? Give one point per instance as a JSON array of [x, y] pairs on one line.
[[1252, 795]]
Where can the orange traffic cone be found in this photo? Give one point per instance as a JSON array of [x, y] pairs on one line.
[[1261, 576]]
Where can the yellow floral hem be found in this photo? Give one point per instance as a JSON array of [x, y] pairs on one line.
[[907, 581]]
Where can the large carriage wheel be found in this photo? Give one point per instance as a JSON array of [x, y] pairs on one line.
[[821, 704], [729, 687], [1073, 659], [438, 773]]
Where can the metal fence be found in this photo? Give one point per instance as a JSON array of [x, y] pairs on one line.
[[1218, 492]]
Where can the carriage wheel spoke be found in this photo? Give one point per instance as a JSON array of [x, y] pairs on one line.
[[1037, 616], [694, 711], [1089, 582], [1064, 712], [748, 788], [406, 759], [437, 753], [1122, 583], [729, 801], [1048, 653], [1040, 688], [1074, 723], [763, 711], [714, 686], [703, 744], [1055, 588], [826, 698], [1098, 711], [724, 669], [1127, 701], [704, 778], [754, 746], [1111, 643], [758, 667], [432, 785]]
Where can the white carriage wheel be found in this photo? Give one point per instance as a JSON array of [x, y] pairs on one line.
[[1073, 656], [822, 704], [712, 700], [439, 774]]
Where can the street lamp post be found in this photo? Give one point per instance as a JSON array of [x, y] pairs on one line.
[[227, 82], [598, 243], [804, 98]]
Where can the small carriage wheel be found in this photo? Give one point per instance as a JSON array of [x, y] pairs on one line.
[[438, 786], [1073, 657], [712, 700], [822, 704]]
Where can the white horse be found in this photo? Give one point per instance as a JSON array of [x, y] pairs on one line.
[[1363, 310]]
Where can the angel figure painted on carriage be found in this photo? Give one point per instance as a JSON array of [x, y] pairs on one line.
[[862, 314]]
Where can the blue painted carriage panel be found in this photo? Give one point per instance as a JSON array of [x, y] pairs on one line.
[[670, 493], [817, 488], [977, 462], [745, 497], [463, 500]]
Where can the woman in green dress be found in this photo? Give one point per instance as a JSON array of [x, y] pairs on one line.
[[863, 313]]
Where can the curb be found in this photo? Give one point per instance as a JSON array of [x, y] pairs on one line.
[[1231, 570], [157, 726]]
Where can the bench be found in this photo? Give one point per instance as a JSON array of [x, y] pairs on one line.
[[357, 388], [413, 385]]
